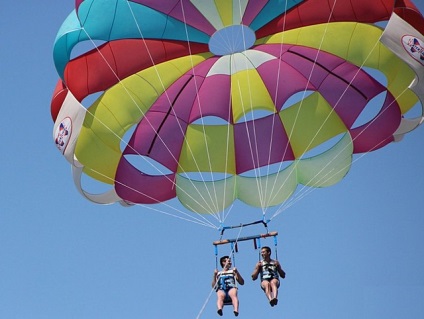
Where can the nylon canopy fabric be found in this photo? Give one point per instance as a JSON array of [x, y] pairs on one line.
[[227, 99]]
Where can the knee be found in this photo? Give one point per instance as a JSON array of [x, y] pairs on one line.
[[265, 285], [233, 293]]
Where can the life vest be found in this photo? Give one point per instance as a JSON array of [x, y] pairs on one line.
[[269, 270], [226, 280]]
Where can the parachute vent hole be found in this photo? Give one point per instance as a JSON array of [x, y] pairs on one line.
[[85, 47], [91, 99], [267, 170], [93, 186], [371, 110], [376, 75], [415, 111], [127, 137], [296, 98], [210, 120], [147, 165], [205, 176], [254, 115], [323, 147]]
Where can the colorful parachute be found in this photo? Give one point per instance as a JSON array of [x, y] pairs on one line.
[[228, 99]]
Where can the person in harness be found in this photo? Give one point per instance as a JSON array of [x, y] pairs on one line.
[[270, 270], [225, 283]]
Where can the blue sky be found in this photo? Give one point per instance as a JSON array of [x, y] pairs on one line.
[[353, 250]]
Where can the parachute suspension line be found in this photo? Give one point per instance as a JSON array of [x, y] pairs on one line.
[[297, 198], [313, 68], [301, 194], [357, 158], [309, 190], [274, 118], [252, 151], [206, 301], [225, 216], [257, 244], [233, 249], [233, 242], [227, 150], [201, 220], [274, 186], [136, 104], [229, 115], [213, 197], [211, 210], [264, 189]]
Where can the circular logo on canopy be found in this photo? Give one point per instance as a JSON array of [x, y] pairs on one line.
[[63, 134], [414, 47]]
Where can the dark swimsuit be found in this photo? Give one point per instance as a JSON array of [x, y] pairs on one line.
[[226, 281], [269, 270]]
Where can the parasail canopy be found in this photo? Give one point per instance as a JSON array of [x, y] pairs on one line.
[[216, 101]]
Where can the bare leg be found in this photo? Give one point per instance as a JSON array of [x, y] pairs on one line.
[[274, 287], [220, 301], [267, 289], [275, 283], [233, 294]]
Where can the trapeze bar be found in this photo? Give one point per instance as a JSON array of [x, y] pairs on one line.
[[227, 241], [243, 225]]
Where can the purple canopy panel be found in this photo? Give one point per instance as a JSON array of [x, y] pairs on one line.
[[315, 73], [136, 187], [181, 95], [282, 87], [261, 142], [346, 100], [378, 132], [159, 136], [359, 80], [350, 101], [213, 99], [170, 101], [322, 58]]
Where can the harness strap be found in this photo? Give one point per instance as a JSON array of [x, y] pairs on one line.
[[275, 247]]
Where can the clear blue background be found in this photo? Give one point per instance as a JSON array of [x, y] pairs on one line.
[[354, 250]]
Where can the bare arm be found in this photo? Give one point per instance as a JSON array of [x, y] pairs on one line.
[[238, 276], [280, 270], [214, 278], [256, 271]]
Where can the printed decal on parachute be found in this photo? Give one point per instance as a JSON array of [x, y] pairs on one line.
[[63, 134], [414, 47]]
